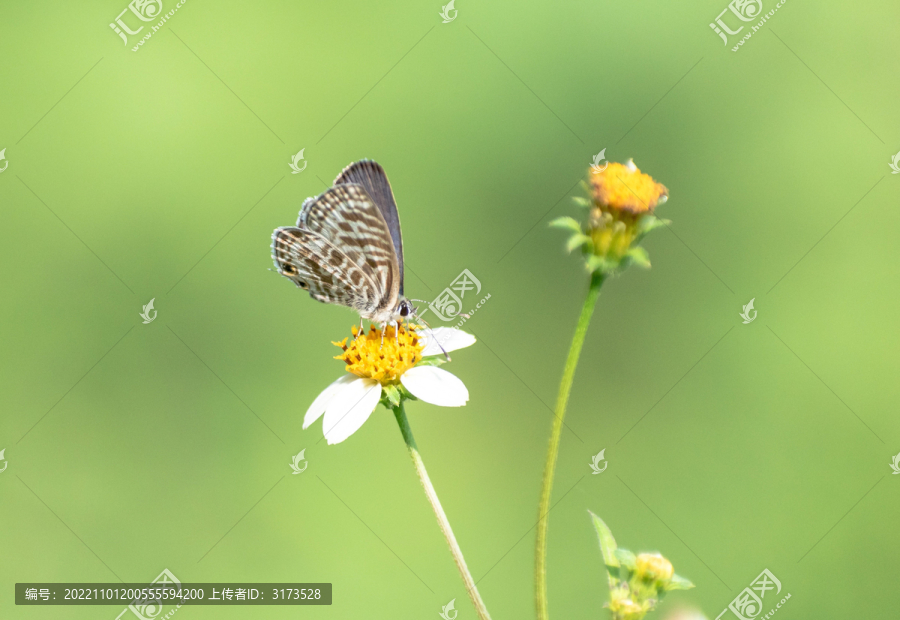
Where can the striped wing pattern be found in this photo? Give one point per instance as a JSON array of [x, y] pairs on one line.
[[314, 264], [371, 177], [341, 251], [346, 216]]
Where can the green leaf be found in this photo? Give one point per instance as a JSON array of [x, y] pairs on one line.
[[608, 549], [607, 542], [577, 240], [393, 394], [566, 222], [678, 583]]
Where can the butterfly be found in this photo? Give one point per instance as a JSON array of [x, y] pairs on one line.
[[346, 248]]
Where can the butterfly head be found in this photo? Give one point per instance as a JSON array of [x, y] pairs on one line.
[[404, 311]]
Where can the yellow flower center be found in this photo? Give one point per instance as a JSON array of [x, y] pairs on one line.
[[383, 356], [623, 187]]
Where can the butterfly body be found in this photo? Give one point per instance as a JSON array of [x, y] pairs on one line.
[[346, 248]]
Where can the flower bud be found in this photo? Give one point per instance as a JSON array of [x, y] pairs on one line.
[[627, 609], [653, 567], [621, 195], [621, 204]]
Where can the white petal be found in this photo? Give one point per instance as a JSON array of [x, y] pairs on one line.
[[316, 409], [449, 337], [350, 408], [436, 386]]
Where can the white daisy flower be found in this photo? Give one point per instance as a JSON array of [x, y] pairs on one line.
[[378, 366]]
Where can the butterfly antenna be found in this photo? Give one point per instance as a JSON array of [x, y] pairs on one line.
[[447, 355]]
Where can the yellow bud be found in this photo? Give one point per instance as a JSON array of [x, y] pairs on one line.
[[620, 194], [627, 609], [653, 567]]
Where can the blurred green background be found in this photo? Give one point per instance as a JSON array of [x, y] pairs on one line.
[[161, 173]]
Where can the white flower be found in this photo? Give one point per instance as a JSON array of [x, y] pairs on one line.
[[375, 364]]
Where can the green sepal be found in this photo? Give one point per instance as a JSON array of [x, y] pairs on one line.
[[639, 257], [581, 201], [649, 222], [437, 360], [577, 240], [392, 394], [566, 222], [677, 582], [405, 394], [601, 264], [626, 558]]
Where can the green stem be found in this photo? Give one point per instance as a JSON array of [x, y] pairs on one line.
[[565, 386], [431, 494]]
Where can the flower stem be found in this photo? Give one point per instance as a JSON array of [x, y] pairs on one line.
[[431, 494], [562, 399]]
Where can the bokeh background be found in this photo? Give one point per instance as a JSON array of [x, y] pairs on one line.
[[160, 174]]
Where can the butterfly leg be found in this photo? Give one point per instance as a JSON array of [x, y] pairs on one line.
[[384, 329]]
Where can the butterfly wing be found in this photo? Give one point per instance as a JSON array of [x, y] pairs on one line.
[[371, 177], [314, 264], [347, 217]]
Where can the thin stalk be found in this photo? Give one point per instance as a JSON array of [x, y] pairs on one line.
[[562, 399], [431, 494]]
